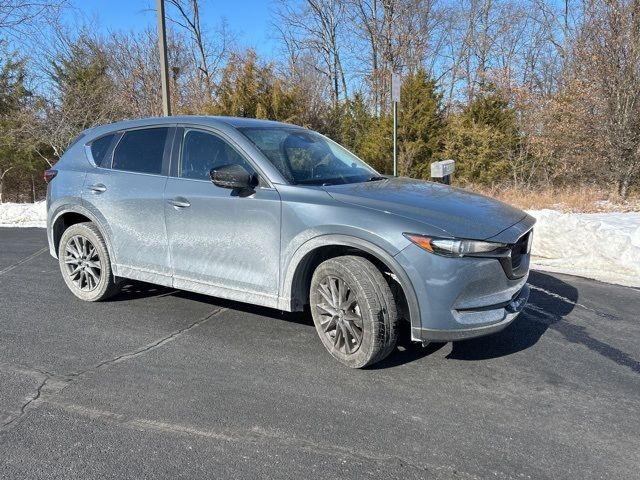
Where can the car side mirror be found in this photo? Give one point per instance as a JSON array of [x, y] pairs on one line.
[[233, 176]]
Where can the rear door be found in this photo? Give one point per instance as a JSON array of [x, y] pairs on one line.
[[221, 242], [127, 188]]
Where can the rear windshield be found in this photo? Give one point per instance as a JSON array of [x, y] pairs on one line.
[[306, 157]]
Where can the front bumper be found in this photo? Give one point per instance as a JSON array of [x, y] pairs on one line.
[[461, 298], [508, 314]]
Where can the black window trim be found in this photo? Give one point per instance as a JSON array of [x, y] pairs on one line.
[[166, 153], [176, 156]]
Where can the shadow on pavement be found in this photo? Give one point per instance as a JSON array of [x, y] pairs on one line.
[[544, 312], [133, 290]]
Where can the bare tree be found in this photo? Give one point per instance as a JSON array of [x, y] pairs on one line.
[[317, 27], [134, 68], [608, 54], [80, 93], [25, 18], [208, 54]]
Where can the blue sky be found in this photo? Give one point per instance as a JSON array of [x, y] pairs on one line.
[[250, 20]]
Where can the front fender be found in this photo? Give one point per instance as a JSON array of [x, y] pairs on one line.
[[288, 300]]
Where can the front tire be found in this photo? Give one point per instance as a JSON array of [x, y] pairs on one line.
[[85, 264], [353, 310]]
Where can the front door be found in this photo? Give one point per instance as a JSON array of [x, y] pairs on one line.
[[221, 242]]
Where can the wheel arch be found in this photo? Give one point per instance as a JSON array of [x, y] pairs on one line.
[[297, 277], [70, 216]]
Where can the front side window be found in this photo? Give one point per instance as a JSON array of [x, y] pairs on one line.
[[141, 151], [306, 157], [100, 149], [203, 151]]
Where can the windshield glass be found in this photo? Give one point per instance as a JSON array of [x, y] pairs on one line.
[[306, 157]]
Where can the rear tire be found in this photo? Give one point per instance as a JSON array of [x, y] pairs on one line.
[[85, 264], [353, 310]]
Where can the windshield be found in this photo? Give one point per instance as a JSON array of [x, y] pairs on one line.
[[306, 157]]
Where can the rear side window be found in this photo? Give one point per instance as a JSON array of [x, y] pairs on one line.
[[100, 149], [141, 151]]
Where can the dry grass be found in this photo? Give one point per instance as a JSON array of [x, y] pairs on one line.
[[582, 199]]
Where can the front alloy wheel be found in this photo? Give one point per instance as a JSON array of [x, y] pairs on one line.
[[340, 316], [353, 310]]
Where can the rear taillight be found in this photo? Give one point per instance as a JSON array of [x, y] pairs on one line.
[[49, 175]]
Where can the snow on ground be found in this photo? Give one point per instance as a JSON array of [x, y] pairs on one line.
[[23, 214], [602, 246]]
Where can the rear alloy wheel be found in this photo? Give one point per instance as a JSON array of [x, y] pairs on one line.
[[85, 264], [353, 310]]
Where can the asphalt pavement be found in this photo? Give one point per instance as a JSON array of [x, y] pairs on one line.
[[159, 383]]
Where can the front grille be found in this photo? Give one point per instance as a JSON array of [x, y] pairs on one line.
[[519, 250]]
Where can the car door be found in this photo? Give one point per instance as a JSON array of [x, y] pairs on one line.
[[221, 241], [126, 189]]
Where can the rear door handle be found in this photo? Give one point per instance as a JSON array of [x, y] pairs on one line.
[[180, 202], [97, 188]]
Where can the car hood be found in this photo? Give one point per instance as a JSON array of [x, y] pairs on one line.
[[460, 213]]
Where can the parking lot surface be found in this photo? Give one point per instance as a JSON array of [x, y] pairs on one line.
[[164, 383]]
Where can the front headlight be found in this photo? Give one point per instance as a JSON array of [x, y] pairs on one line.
[[450, 247]]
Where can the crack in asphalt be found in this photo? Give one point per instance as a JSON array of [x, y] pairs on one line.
[[578, 334], [64, 380], [150, 346], [24, 260], [33, 398]]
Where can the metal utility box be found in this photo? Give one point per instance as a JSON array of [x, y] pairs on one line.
[[443, 170]]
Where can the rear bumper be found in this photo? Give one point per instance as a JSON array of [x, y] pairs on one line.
[[508, 314]]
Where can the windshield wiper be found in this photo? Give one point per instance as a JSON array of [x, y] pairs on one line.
[[375, 178]]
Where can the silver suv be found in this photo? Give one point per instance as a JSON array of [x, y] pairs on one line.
[[278, 215]]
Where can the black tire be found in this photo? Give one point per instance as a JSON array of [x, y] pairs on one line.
[[332, 310], [85, 263]]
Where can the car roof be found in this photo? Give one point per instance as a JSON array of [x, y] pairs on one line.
[[236, 122]]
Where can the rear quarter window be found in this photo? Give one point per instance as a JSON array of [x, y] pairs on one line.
[[141, 151], [100, 148]]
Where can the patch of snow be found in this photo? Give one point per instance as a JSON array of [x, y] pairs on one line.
[[23, 214], [602, 246]]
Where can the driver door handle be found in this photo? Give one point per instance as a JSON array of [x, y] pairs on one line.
[[97, 188], [180, 202]]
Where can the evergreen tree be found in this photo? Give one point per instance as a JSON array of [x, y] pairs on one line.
[[248, 89], [377, 144], [483, 138], [15, 159], [421, 128], [421, 125], [355, 120]]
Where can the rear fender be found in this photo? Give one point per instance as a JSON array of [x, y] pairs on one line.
[[94, 217]]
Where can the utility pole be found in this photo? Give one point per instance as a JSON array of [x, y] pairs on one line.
[[164, 68], [396, 82]]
